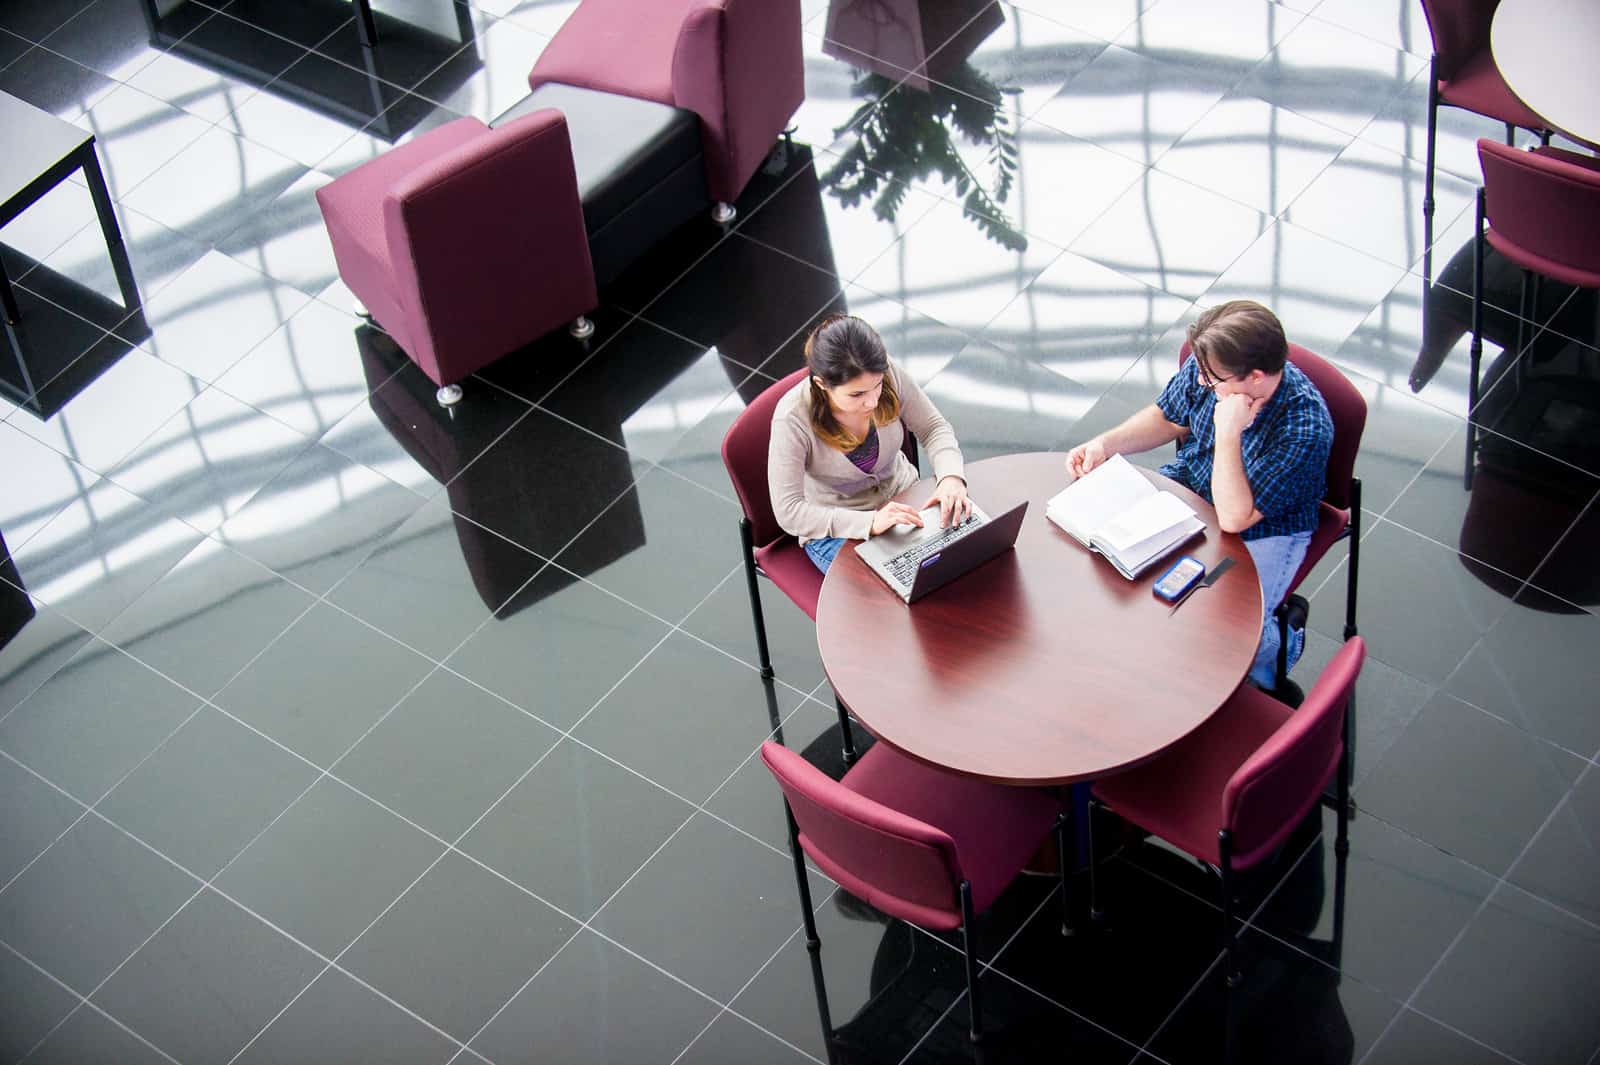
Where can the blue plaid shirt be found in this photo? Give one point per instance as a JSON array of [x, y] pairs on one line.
[[1285, 449]]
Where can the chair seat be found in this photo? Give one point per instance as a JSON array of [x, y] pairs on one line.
[[996, 827], [792, 570], [1178, 795], [1479, 87]]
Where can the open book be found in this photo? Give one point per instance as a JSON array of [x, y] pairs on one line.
[[1115, 510]]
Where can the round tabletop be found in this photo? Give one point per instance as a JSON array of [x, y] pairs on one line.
[[1545, 50], [1044, 666]]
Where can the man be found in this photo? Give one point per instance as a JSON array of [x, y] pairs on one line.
[[1253, 437]]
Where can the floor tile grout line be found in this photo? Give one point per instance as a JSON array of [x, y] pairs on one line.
[[1500, 882], [81, 1002]]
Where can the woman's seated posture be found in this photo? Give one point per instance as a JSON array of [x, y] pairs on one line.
[[835, 463]]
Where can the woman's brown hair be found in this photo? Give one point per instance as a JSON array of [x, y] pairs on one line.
[[840, 349]]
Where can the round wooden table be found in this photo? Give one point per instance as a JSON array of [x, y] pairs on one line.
[[1545, 50], [1045, 666]]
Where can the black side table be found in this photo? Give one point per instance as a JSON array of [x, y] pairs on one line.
[[38, 151]]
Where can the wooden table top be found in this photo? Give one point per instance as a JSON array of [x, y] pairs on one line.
[[1545, 50], [1043, 666]]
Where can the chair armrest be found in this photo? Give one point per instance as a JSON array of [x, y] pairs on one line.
[[738, 64], [487, 242]]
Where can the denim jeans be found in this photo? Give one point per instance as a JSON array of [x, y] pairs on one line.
[[823, 551], [1276, 558]]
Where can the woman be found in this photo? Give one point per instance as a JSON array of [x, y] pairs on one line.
[[835, 464]]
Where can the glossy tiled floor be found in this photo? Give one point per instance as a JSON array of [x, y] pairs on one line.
[[334, 728]]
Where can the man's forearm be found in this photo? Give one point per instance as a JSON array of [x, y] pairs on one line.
[[1147, 429], [1230, 488]]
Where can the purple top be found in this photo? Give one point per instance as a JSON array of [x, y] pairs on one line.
[[865, 455]]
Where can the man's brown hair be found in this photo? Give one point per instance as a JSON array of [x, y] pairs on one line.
[[1233, 338]]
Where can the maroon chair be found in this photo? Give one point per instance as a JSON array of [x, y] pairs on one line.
[[737, 64], [465, 243], [1463, 74], [929, 847], [768, 550], [1339, 514], [1231, 792], [1542, 210]]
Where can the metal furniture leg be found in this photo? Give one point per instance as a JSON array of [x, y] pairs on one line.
[[8, 298]]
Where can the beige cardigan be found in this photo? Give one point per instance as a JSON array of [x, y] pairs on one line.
[[818, 492]]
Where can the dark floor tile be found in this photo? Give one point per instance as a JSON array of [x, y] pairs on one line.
[[310, 373], [90, 1037], [725, 620], [1414, 1038], [1405, 902], [411, 51], [731, 1041], [319, 518], [448, 751], [711, 303], [491, 73], [84, 743], [215, 312], [35, 1004], [642, 725], [337, 1020], [89, 903], [458, 946], [1386, 700], [52, 82], [328, 867], [592, 824], [533, 370], [564, 646], [541, 483], [57, 352], [1291, 1006], [41, 642], [436, 579], [402, 432], [36, 815], [645, 389], [207, 461], [1425, 635], [595, 1002], [1018, 1025], [665, 545], [1562, 866], [1469, 784], [208, 792], [884, 984], [323, 684], [196, 958], [208, 617], [108, 36], [101, 553], [714, 934], [1549, 958]]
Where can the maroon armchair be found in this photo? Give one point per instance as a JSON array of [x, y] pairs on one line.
[[921, 844], [465, 243], [1542, 210], [737, 64], [1233, 791]]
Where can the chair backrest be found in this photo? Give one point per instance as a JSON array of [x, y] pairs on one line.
[[744, 454], [1543, 209], [1346, 407], [1268, 795], [1460, 29], [903, 866]]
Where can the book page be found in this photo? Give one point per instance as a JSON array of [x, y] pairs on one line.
[[1148, 519], [1085, 506]]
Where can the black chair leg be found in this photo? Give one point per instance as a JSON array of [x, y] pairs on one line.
[[845, 734], [801, 880], [1096, 914], [969, 942], [747, 541], [1477, 344], [1427, 184], [1230, 975]]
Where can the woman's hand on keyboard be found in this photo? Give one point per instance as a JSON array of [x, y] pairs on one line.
[[954, 506], [891, 514]]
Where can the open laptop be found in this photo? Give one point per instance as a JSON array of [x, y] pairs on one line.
[[917, 561]]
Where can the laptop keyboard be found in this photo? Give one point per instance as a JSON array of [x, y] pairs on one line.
[[904, 565]]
